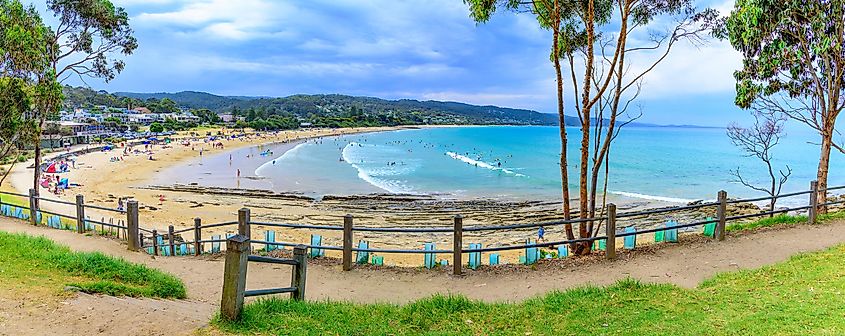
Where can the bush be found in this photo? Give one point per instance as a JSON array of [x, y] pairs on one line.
[[156, 128]]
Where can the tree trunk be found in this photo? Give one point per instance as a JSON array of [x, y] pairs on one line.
[[564, 174], [824, 165], [36, 174]]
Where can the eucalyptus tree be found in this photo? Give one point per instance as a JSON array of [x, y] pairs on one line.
[[85, 42], [594, 36], [549, 15], [794, 63], [23, 66]]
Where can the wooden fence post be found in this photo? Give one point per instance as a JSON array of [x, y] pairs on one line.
[[814, 202], [457, 245], [234, 277], [347, 242], [155, 242], [170, 238], [243, 224], [197, 236], [80, 213], [33, 206], [132, 225], [721, 212], [610, 245], [299, 271]]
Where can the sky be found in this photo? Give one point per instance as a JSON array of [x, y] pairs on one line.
[[392, 49]]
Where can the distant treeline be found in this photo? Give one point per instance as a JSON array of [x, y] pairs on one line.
[[319, 110]]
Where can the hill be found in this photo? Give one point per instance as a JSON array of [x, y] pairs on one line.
[[327, 105]]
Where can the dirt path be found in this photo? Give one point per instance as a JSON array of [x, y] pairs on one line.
[[685, 265]]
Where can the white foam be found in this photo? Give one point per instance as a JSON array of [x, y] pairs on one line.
[[481, 164], [284, 155], [386, 185], [652, 197]]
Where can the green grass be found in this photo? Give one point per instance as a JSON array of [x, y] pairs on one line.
[[35, 263], [783, 219], [800, 296]]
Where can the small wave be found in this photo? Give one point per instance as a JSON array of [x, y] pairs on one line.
[[482, 164], [652, 197], [389, 186], [287, 153]]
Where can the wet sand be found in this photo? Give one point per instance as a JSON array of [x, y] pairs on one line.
[[163, 204]]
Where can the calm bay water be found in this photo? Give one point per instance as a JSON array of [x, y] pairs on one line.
[[651, 163]]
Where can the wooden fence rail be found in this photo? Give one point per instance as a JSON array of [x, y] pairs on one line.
[[173, 246], [235, 271]]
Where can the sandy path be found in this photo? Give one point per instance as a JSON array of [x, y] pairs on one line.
[[684, 265]]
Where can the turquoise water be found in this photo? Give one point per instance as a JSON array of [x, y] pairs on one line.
[[660, 164]]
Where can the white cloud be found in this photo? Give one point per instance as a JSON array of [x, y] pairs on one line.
[[239, 20]]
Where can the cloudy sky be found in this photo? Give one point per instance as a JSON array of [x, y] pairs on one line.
[[420, 49]]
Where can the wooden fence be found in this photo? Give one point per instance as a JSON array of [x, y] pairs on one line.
[[238, 256], [239, 246]]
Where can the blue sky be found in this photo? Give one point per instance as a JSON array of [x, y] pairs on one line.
[[390, 49]]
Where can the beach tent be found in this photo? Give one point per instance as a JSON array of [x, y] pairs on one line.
[[52, 168]]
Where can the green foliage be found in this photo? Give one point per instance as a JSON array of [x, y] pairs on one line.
[[15, 103], [156, 128], [327, 110], [165, 105], [25, 260], [782, 219], [788, 49], [799, 296], [94, 30], [206, 116]]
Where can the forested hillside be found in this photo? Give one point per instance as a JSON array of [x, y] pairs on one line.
[[328, 110]]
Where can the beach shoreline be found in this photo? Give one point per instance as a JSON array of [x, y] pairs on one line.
[[104, 182]]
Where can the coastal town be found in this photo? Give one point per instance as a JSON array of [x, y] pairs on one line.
[[442, 167]]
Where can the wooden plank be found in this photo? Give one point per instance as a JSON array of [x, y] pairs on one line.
[[610, 245], [814, 202], [170, 239], [80, 213], [347, 242], [298, 276], [234, 277], [457, 245], [722, 199], [197, 236], [132, 225]]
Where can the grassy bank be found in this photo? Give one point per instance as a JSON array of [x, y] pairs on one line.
[[782, 219], [799, 296], [28, 262]]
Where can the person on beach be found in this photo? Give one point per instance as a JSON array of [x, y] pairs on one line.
[[120, 204], [541, 234], [239, 173]]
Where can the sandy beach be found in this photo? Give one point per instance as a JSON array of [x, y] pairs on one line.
[[103, 182]]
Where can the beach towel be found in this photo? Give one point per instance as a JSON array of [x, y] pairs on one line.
[[671, 235]]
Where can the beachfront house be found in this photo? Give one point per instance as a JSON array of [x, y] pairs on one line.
[[227, 118], [58, 134]]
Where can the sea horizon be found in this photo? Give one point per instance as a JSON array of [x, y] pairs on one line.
[[664, 165]]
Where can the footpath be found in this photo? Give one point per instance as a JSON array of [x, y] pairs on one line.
[[685, 265]]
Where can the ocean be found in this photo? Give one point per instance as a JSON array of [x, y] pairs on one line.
[[661, 164]]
